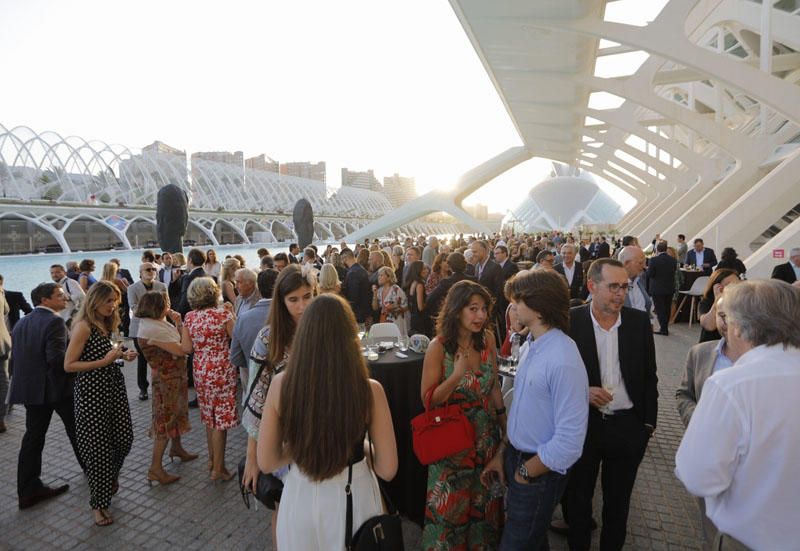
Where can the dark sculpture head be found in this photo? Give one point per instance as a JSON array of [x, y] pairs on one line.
[[172, 216]]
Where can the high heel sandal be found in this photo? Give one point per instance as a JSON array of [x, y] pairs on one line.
[[162, 479], [223, 476], [183, 455]]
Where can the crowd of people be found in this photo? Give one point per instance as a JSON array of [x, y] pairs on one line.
[[276, 349]]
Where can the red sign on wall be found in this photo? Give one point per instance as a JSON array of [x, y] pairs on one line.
[[778, 253]]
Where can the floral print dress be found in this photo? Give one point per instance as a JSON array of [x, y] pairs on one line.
[[460, 515], [215, 378]]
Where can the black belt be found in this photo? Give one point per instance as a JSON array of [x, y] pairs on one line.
[[616, 414], [524, 455]]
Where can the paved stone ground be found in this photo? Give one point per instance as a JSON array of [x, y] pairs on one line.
[[196, 513]]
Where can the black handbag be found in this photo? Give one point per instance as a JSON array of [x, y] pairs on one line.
[[379, 533], [268, 486]]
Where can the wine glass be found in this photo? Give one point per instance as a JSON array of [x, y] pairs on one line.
[[117, 338], [610, 388], [362, 330]]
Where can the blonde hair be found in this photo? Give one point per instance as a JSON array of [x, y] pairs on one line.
[[203, 293], [389, 273], [109, 271], [328, 279], [228, 270], [95, 297], [178, 260]]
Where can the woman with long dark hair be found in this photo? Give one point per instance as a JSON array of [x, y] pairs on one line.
[[316, 417], [438, 272], [707, 308], [102, 413], [461, 367], [415, 291], [294, 290]]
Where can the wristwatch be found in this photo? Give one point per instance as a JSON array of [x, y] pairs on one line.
[[522, 470]]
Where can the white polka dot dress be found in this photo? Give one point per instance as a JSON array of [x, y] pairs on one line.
[[102, 421]]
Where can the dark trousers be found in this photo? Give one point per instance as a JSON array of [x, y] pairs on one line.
[[662, 305], [528, 506], [141, 368], [37, 421], [619, 443]]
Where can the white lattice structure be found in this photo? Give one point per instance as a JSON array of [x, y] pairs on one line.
[[51, 186], [698, 126]]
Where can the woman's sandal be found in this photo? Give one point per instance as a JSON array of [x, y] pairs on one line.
[[223, 476], [105, 518]]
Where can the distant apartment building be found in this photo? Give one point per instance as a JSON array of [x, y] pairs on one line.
[[399, 189], [160, 148], [261, 162], [235, 158], [478, 210], [312, 171], [361, 180]]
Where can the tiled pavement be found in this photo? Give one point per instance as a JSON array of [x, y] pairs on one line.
[[195, 513]]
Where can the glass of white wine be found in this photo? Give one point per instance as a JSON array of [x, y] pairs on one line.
[[610, 388], [117, 339]]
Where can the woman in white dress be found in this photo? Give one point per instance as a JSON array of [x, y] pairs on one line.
[[212, 266], [316, 416]]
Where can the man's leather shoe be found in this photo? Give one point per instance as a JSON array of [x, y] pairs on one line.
[[142, 395], [44, 493], [665, 333], [560, 526], [193, 403]]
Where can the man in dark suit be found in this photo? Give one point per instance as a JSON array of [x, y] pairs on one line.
[[616, 344], [487, 272], [194, 266], [508, 269], [789, 271], [661, 284], [702, 257], [195, 259], [294, 250], [572, 270], [41, 384], [603, 248], [357, 289], [16, 304], [457, 265]]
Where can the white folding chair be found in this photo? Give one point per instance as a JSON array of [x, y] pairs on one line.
[[697, 290], [384, 331]]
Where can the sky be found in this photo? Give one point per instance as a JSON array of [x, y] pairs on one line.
[[391, 86]]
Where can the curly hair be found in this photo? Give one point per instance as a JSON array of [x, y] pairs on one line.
[[447, 324], [203, 293]]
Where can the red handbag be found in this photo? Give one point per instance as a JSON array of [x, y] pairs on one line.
[[440, 432]]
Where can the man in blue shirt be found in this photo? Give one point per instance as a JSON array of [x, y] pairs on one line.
[[549, 413]]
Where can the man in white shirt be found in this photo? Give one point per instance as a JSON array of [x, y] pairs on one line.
[[72, 289], [572, 270], [632, 258], [741, 451]]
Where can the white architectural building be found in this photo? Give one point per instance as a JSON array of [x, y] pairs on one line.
[[694, 110]]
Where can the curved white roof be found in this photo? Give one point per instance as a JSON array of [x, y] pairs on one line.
[[565, 202]]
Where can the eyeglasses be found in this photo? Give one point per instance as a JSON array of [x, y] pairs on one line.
[[150, 270], [617, 287]]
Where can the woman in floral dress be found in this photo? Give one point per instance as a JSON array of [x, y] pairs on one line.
[[209, 328], [460, 367], [390, 300], [166, 354]]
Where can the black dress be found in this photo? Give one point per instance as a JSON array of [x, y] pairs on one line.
[[420, 321]]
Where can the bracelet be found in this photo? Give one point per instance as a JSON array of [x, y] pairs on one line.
[[500, 411]]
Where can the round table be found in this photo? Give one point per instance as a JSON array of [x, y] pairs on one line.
[[401, 379]]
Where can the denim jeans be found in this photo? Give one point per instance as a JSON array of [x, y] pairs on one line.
[[529, 506]]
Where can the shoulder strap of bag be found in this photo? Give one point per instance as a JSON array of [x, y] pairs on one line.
[[348, 530], [429, 394]]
